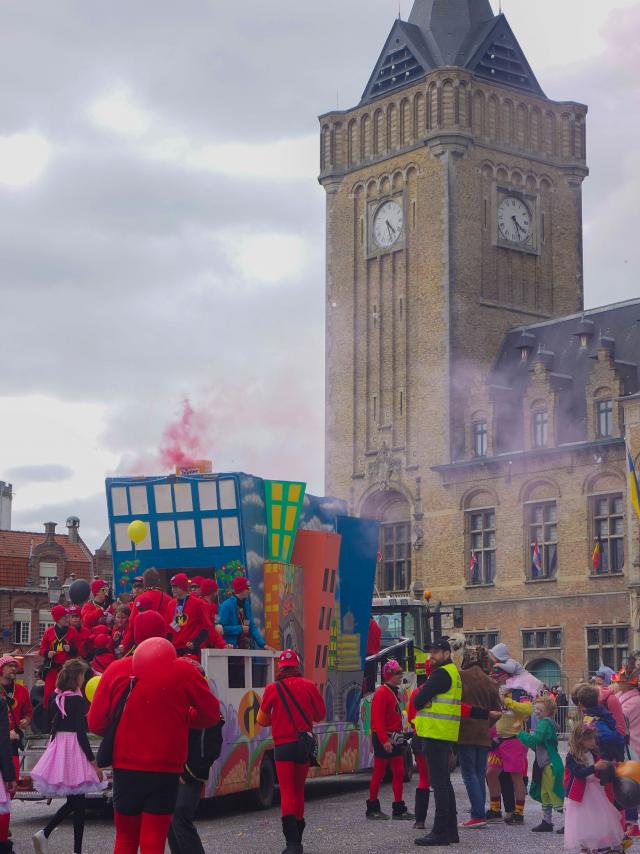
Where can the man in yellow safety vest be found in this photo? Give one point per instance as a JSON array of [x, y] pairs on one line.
[[438, 705]]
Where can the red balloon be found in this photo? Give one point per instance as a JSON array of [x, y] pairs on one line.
[[152, 659]]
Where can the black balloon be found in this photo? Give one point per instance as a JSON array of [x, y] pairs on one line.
[[626, 792], [79, 591]]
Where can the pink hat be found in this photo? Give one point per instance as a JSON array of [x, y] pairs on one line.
[[97, 585], [289, 658], [180, 581], [240, 584], [8, 659], [58, 612], [391, 668], [197, 580], [74, 610]]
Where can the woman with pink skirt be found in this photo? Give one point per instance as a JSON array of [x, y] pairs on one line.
[[67, 767]]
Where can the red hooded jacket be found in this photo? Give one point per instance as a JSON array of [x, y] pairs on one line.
[[154, 729]]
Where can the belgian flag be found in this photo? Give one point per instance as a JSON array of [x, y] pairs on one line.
[[596, 557]]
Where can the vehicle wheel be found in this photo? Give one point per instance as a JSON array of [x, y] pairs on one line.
[[264, 796], [408, 766]]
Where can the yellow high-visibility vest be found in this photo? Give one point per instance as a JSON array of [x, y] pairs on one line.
[[441, 720]]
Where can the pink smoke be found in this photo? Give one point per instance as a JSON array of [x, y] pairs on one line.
[[185, 441]]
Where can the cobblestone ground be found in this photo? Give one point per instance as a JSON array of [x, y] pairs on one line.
[[336, 825]]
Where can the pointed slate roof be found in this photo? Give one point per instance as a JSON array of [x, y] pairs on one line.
[[463, 33]]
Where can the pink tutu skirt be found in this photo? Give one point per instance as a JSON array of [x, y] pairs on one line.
[[5, 800], [593, 822], [64, 769]]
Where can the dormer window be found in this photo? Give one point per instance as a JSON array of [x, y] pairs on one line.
[[604, 419], [540, 429], [480, 439]]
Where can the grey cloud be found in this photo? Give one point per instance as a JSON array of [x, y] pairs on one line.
[[38, 474], [92, 512]]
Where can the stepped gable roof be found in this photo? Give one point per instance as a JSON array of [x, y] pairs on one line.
[[567, 347], [21, 544], [439, 33]]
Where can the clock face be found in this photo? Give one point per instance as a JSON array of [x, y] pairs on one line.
[[514, 220], [388, 224]]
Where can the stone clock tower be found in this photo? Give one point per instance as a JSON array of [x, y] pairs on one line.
[[453, 214]]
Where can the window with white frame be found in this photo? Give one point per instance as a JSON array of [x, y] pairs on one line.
[[604, 418], [22, 626], [540, 425], [480, 438], [44, 621], [608, 530], [47, 570]]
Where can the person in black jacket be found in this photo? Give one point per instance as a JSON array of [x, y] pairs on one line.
[[7, 779], [205, 746]]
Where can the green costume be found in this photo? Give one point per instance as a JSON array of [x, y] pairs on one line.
[[547, 780]]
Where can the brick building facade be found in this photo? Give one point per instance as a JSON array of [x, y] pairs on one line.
[[473, 406], [28, 562]]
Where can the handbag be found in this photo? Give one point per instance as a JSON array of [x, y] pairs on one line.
[[104, 756], [307, 739]]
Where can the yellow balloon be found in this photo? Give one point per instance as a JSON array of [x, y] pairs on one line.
[[137, 531], [91, 687]]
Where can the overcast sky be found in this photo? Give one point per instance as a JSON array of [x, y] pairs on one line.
[[162, 230]]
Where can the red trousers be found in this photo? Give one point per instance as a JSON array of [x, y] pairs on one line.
[[50, 684], [4, 826], [397, 776], [145, 831], [291, 779], [423, 771]]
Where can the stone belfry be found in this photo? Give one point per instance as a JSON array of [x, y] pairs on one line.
[[453, 214]]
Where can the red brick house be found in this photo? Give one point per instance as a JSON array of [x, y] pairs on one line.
[[28, 562]]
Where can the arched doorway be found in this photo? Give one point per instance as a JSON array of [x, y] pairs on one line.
[[546, 670], [391, 508]]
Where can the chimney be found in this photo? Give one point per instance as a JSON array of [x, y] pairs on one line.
[[50, 532], [73, 526], [6, 497]]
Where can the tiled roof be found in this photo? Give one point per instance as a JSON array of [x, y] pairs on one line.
[[20, 544]]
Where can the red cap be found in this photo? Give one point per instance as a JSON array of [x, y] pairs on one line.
[[197, 580], [98, 585], [208, 586], [74, 610], [148, 624], [103, 641], [181, 581], [240, 584], [58, 612], [289, 658]]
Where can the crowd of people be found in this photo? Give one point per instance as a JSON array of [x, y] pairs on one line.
[[157, 781], [489, 713]]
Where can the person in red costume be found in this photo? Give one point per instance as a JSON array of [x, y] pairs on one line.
[[189, 624], [18, 703], [59, 643], [291, 705], [85, 637], [103, 655], [96, 615], [146, 770], [154, 599], [209, 593], [374, 645], [387, 729]]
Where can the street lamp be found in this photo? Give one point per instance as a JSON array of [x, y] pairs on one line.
[[54, 591]]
